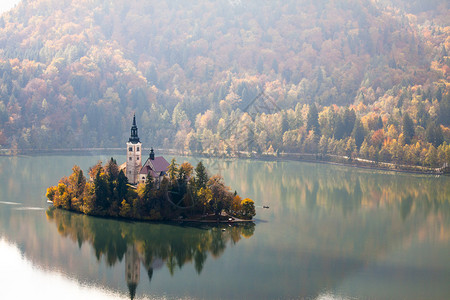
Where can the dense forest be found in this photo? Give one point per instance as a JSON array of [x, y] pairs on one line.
[[182, 194], [360, 78]]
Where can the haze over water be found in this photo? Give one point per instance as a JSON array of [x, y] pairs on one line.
[[330, 232]]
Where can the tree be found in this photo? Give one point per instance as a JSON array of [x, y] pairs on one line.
[[373, 154], [221, 196], [364, 150], [65, 196], [172, 170], [396, 151], [431, 156], [377, 138], [236, 206], [77, 181], [283, 124], [444, 110], [358, 133], [51, 193], [408, 128], [112, 170], [112, 174], [148, 195], [95, 169], [298, 115], [339, 128], [434, 134], [384, 155], [122, 182], [350, 148], [311, 143], [76, 185], [248, 208], [148, 188], [185, 171], [323, 145], [101, 191], [348, 120], [125, 209], [379, 123], [204, 196], [201, 176], [312, 122]]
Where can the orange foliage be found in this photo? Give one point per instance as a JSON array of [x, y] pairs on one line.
[[377, 137]]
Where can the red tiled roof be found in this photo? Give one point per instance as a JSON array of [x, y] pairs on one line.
[[160, 164], [157, 165], [145, 170]]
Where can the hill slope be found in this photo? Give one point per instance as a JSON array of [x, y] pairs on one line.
[[73, 72]]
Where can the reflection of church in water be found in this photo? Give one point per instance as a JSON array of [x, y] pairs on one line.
[[133, 262]]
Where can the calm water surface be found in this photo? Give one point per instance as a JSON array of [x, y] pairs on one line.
[[331, 232]]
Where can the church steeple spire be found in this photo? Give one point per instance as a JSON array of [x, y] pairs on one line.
[[134, 138]]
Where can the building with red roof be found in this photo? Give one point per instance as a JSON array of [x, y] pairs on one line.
[[137, 173], [156, 166]]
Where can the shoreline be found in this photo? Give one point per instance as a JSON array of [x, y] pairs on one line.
[[301, 157], [234, 222]]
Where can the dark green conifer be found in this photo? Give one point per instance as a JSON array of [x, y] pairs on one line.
[[358, 133], [312, 122], [201, 177], [408, 128], [172, 169], [101, 192], [122, 188]]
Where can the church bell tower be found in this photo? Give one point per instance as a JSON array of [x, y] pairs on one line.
[[134, 158]]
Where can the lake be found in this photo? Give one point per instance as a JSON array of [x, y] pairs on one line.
[[331, 232]]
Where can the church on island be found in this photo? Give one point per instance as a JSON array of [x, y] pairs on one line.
[[155, 166]]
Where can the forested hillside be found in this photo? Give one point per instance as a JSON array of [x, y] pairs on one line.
[[345, 76]]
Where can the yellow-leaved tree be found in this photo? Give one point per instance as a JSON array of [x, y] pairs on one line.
[[248, 208]]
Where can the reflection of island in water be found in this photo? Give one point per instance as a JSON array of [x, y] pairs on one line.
[[149, 245]]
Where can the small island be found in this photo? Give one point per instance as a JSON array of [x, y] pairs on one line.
[[156, 191]]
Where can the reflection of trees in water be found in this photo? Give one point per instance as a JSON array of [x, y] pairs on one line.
[[350, 212], [149, 245], [321, 186]]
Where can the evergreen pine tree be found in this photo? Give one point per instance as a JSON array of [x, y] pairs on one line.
[[379, 123], [122, 188], [348, 119], [149, 193], [408, 128], [172, 170], [101, 192], [312, 122], [358, 133], [201, 177], [434, 134]]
